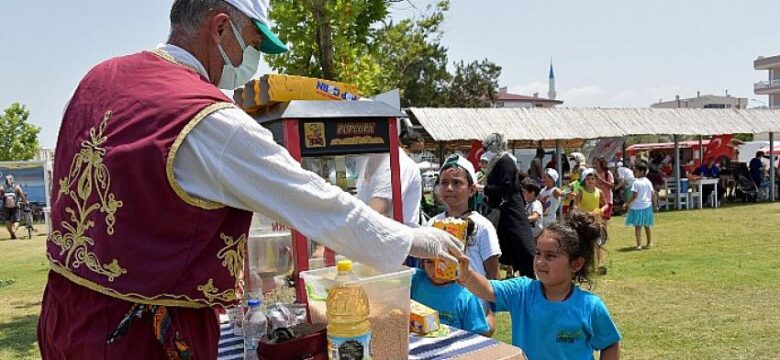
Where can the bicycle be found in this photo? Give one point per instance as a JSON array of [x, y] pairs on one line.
[[27, 219]]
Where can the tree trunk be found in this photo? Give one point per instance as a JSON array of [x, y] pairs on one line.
[[324, 37]]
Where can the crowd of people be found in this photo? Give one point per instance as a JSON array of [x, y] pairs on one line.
[[524, 258], [528, 259], [737, 181]]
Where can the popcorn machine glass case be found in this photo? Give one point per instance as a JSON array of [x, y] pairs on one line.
[[334, 139]]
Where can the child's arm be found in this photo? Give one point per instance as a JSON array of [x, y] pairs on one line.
[[533, 217], [491, 267], [603, 206], [612, 352], [631, 200], [576, 203], [474, 282]]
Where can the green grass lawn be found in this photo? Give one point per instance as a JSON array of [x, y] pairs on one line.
[[707, 290]]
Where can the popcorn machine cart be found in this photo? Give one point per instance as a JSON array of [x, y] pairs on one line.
[[326, 137]]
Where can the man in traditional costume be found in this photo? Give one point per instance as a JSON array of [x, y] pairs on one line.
[[137, 273]]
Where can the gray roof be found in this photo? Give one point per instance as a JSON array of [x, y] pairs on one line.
[[313, 109], [450, 124]]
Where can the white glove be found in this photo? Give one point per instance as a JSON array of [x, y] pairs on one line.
[[431, 243]]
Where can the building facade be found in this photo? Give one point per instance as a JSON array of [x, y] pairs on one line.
[[507, 100], [704, 102], [771, 86]]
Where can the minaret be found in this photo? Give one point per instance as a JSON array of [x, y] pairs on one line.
[[551, 92]]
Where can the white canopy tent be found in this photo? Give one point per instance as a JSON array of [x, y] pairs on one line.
[[562, 124]]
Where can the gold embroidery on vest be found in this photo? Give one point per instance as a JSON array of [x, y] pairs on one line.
[[212, 293], [89, 174], [232, 256]]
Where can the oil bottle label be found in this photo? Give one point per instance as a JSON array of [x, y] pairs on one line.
[[349, 348]]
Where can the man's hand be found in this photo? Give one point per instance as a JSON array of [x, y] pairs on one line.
[[431, 243]]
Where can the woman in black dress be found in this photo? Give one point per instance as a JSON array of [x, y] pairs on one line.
[[502, 190]]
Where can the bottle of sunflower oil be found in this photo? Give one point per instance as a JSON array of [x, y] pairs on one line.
[[349, 331]]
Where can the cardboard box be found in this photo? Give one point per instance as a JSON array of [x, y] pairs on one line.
[[443, 269], [422, 319]]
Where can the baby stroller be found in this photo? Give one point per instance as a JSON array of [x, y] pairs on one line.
[[746, 189]]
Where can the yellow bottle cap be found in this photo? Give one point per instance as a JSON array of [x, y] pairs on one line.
[[344, 265]]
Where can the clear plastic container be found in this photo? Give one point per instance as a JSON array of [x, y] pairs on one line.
[[388, 296]]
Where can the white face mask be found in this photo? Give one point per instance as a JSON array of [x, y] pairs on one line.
[[234, 77]]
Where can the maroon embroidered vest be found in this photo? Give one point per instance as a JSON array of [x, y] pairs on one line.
[[121, 223]]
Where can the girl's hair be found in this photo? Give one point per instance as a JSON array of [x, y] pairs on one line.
[[576, 235], [641, 166], [408, 138], [531, 187], [602, 161]]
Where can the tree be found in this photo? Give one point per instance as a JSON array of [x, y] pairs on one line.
[[351, 41], [18, 139], [413, 59], [330, 39], [474, 84]]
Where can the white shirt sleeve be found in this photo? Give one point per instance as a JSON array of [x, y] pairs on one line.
[[536, 207], [375, 182], [230, 159]]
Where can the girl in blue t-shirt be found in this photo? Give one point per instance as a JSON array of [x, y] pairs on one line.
[[552, 317]]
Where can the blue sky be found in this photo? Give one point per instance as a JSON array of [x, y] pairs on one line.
[[607, 53]]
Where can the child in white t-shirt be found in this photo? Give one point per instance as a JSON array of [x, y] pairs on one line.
[[457, 190], [533, 207], [550, 197], [640, 205]]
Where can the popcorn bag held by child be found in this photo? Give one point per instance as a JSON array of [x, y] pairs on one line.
[[447, 270]]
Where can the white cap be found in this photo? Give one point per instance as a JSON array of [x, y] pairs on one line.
[[257, 10], [588, 171], [461, 162], [552, 173]]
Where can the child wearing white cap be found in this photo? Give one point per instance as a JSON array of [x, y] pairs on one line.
[[592, 200], [550, 197], [457, 189]]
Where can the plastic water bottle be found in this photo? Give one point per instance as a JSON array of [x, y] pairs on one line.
[[255, 326], [236, 315]]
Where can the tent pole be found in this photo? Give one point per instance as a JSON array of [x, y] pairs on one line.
[[676, 172], [701, 152], [771, 167], [559, 169], [441, 154], [625, 156]]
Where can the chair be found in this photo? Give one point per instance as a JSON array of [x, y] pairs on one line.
[[672, 194]]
